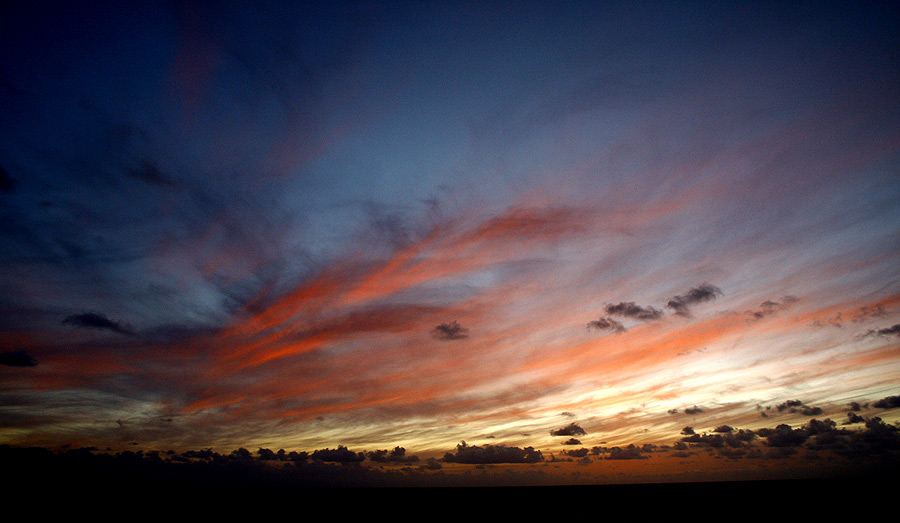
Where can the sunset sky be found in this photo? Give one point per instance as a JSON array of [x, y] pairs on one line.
[[380, 225]]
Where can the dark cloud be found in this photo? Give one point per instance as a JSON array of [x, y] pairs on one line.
[[835, 321], [432, 464], [204, 454], [489, 454], [693, 410], [725, 437], [240, 453], [629, 452], [95, 471], [783, 436], [388, 225], [149, 172], [632, 310], [869, 311], [890, 402], [7, 183], [450, 331], [769, 307], [815, 434], [893, 330], [577, 453], [607, 323], [338, 455], [789, 404], [572, 429], [91, 320], [398, 455], [267, 455], [297, 457], [853, 417], [702, 293], [281, 455], [797, 407], [572, 441], [688, 431], [680, 445], [17, 358], [705, 440]]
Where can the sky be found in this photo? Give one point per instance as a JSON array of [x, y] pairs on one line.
[[559, 231]]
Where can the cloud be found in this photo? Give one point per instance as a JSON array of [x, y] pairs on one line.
[[267, 454], [631, 310], [705, 440], [387, 224], [797, 406], [17, 358], [450, 331], [869, 311], [91, 320], [693, 410], [788, 404], [398, 455], [630, 452], [572, 429], [240, 453], [835, 321], [490, 454], [784, 436], [338, 455], [7, 182], [533, 223], [702, 293], [769, 307], [724, 437], [853, 417], [100, 471], [607, 324], [576, 453], [893, 330], [149, 172], [572, 441], [890, 402]]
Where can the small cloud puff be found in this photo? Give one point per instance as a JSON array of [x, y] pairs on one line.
[[450, 331]]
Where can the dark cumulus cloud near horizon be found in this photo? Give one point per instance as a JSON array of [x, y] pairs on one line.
[[371, 231]]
